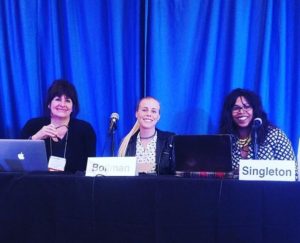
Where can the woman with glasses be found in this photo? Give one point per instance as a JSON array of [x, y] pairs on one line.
[[69, 141], [152, 147], [240, 109]]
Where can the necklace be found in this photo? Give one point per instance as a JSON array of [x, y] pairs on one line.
[[243, 145], [149, 136], [242, 142], [62, 126]]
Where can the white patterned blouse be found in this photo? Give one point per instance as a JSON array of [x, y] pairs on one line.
[[277, 146]]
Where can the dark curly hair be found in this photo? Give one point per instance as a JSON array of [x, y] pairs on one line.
[[62, 87], [228, 126]]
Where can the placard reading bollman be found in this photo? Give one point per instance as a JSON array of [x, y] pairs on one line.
[[267, 170], [111, 166]]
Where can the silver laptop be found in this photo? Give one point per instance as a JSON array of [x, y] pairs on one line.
[[23, 155]]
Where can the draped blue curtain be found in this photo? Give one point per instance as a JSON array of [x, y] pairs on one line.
[[94, 44], [187, 53]]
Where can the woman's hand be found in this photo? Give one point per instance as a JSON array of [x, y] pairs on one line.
[[46, 132]]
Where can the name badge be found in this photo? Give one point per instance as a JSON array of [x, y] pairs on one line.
[[56, 163], [111, 166], [267, 170]]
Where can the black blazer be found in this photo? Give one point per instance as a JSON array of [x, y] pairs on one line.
[[165, 164]]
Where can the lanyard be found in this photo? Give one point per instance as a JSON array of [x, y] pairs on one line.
[[65, 145]]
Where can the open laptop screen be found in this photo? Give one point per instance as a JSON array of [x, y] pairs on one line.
[[23, 155], [196, 153]]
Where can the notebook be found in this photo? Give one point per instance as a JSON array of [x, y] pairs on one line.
[[202, 153], [23, 155]]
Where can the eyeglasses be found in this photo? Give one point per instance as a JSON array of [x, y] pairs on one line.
[[237, 108]]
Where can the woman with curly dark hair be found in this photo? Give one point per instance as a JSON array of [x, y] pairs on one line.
[[240, 109]]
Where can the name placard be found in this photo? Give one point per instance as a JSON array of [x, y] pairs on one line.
[[111, 166], [267, 170]]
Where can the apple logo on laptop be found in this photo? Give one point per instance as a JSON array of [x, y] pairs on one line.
[[21, 156]]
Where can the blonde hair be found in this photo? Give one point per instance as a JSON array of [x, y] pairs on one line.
[[134, 129], [124, 144]]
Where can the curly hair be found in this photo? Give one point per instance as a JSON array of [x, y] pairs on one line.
[[227, 124]]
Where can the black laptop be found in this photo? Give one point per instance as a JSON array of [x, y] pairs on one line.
[[203, 153], [23, 155]]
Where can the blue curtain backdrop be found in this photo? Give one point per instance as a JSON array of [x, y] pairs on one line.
[[187, 53]]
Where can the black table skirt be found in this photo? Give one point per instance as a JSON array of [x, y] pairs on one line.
[[69, 208]]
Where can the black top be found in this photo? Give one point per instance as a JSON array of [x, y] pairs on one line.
[[81, 142], [165, 164]]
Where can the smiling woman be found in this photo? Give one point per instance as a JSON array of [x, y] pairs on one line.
[[152, 147], [241, 107], [69, 141]]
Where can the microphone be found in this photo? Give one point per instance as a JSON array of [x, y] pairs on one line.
[[257, 122], [114, 117]]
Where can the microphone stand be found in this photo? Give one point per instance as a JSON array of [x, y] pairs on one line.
[[255, 144], [112, 145], [257, 122]]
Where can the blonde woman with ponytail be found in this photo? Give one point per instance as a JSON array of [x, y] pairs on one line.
[[152, 147]]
